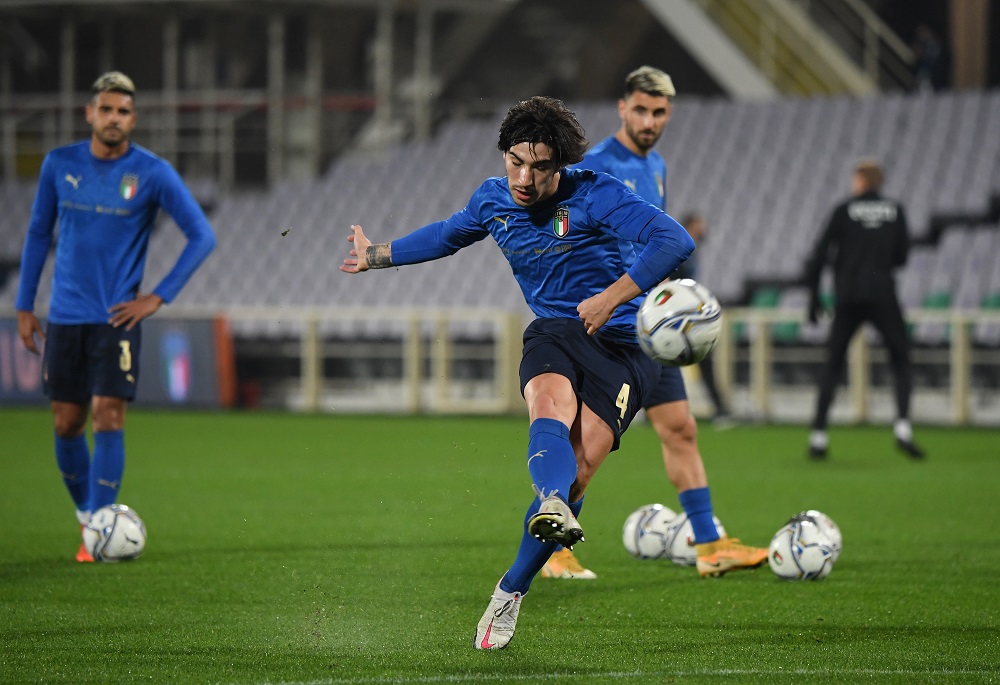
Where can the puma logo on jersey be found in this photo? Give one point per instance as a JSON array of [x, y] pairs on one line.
[[75, 182], [503, 220], [631, 184]]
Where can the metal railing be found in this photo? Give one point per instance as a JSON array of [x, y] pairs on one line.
[[428, 345]]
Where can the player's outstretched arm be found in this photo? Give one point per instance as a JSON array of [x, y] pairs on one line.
[[365, 255]]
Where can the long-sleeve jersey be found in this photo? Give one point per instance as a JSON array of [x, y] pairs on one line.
[[866, 239], [644, 175], [566, 248], [106, 210]]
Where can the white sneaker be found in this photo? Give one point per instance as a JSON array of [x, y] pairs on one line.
[[496, 627], [555, 522]]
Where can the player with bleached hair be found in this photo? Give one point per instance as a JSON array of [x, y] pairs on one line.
[[583, 375], [105, 193], [644, 110]]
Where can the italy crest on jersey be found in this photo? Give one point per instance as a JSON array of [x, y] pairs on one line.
[[560, 222], [129, 186]]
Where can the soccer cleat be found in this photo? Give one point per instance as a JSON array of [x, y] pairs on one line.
[[910, 448], [554, 522], [496, 627], [82, 555], [727, 554], [817, 453], [562, 564]]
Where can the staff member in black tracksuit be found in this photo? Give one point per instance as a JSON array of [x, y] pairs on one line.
[[866, 239]]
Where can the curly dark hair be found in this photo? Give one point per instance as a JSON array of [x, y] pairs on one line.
[[544, 120]]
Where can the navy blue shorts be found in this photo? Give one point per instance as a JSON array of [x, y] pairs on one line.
[[610, 376], [85, 360], [670, 388]]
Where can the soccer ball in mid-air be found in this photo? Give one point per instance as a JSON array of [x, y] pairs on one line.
[[645, 531], [114, 533], [800, 550], [826, 524], [679, 322], [681, 546]]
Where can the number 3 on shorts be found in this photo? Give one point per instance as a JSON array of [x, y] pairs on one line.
[[622, 401], [125, 358]]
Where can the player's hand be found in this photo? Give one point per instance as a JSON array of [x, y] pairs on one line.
[[596, 311], [358, 261], [28, 327], [130, 313]]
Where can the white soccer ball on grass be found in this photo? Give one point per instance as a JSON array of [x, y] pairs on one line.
[[645, 531], [114, 533], [800, 550]]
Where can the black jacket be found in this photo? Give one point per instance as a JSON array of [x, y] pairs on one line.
[[866, 240]]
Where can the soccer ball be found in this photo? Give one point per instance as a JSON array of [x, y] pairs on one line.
[[681, 547], [826, 524], [800, 551], [679, 322], [114, 533], [645, 531]]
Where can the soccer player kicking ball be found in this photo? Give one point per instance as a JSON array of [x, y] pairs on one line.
[[645, 109], [583, 375], [106, 193]]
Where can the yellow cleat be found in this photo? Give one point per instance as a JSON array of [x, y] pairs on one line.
[[563, 564], [727, 554]]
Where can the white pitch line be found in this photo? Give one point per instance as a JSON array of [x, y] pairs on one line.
[[621, 675]]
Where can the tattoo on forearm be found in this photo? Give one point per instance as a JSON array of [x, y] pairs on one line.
[[379, 256]]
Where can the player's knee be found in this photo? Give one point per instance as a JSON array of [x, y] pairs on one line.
[[108, 414], [680, 430], [676, 427], [69, 424]]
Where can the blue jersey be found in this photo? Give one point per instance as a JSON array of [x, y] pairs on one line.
[[646, 176], [106, 211], [566, 248]]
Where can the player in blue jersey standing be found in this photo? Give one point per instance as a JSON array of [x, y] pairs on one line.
[[105, 193], [644, 110], [583, 375]]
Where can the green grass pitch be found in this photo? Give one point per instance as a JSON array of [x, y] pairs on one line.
[[355, 549]]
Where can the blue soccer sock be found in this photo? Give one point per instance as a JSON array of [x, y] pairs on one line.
[[697, 504], [531, 556], [73, 460], [551, 460], [107, 469]]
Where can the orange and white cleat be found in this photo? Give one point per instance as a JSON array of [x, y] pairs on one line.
[[562, 564], [82, 555], [727, 554]]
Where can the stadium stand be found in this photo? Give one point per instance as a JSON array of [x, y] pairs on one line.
[[766, 175]]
